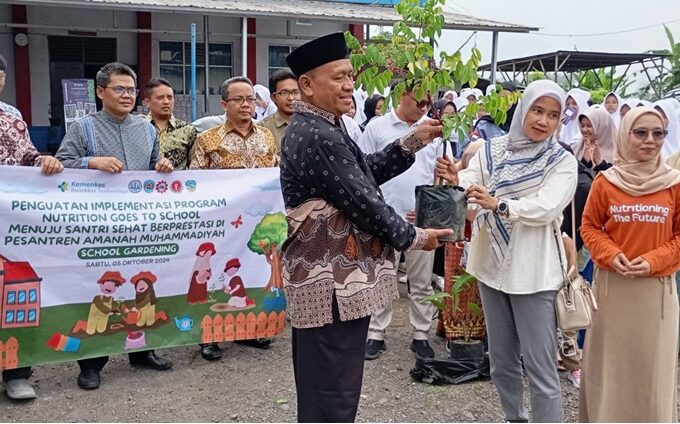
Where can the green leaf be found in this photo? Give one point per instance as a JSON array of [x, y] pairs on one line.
[[474, 308], [280, 401]]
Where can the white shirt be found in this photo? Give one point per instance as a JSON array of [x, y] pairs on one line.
[[532, 264], [353, 129], [399, 192]]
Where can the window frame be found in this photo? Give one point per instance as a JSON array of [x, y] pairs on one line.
[[185, 66]]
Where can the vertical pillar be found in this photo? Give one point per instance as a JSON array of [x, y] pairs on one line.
[[22, 66], [144, 50], [252, 50], [357, 30], [494, 56], [244, 46]]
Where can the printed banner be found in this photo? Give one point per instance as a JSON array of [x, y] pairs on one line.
[[95, 264], [79, 99]]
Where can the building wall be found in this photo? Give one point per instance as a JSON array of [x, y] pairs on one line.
[[7, 51], [269, 28], [270, 31]]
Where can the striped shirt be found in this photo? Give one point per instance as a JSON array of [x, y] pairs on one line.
[[132, 141]]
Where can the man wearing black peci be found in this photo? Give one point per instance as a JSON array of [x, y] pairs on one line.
[[339, 261]]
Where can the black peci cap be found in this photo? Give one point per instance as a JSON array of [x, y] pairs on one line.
[[315, 53]]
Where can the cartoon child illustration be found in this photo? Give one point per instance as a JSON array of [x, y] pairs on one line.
[[198, 288], [102, 305], [236, 289], [145, 298]]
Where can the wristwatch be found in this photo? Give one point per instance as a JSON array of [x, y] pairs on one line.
[[502, 209]]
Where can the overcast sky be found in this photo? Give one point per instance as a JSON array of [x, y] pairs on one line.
[[569, 17]]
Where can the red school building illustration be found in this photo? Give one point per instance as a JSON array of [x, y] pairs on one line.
[[20, 288]]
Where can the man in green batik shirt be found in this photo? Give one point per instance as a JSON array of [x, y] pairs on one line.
[[176, 137]]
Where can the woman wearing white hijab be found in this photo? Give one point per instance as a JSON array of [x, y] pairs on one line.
[[450, 95], [521, 183], [595, 149], [627, 105], [576, 103], [669, 109], [631, 226], [612, 102], [265, 105]]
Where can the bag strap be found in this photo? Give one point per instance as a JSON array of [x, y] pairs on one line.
[[573, 219], [563, 266]]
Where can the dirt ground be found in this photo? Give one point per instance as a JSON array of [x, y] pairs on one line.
[[255, 385]]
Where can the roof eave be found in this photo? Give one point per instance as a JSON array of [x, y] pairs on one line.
[[499, 27]]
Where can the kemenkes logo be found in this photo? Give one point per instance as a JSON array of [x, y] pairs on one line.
[[135, 186], [89, 187], [63, 186]]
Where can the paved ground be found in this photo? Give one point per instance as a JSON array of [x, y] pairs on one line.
[[254, 385]]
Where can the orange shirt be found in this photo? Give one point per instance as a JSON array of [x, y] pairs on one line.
[[647, 226]]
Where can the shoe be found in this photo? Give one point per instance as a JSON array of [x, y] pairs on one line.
[[403, 279], [211, 352], [89, 379], [575, 378], [374, 348], [150, 360], [257, 343], [422, 348], [19, 389]]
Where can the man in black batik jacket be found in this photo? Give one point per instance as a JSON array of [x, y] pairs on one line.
[[338, 261]]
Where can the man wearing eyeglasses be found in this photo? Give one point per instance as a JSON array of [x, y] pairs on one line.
[[112, 140], [400, 194], [238, 143], [284, 89]]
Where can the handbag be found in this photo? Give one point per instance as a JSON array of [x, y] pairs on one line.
[[441, 206], [575, 301]]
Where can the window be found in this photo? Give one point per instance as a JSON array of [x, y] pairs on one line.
[[32, 314], [32, 296], [9, 317], [277, 57], [21, 297], [21, 316], [175, 66], [11, 297]]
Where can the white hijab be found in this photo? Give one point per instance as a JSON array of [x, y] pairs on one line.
[[263, 93], [571, 132], [453, 94], [670, 108], [616, 116]]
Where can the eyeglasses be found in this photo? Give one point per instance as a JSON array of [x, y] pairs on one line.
[[421, 104], [287, 93], [2, 74], [241, 100], [131, 91], [643, 133]]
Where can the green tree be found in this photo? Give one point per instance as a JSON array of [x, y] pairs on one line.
[[266, 240], [600, 82], [669, 79], [409, 60]]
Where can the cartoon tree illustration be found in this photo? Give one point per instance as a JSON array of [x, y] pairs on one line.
[[266, 240]]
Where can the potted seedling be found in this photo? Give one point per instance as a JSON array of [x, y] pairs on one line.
[[467, 347], [407, 62]]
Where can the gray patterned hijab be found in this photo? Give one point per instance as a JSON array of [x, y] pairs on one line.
[[518, 165]]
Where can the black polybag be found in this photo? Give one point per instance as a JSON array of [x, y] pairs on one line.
[[441, 206], [450, 371]]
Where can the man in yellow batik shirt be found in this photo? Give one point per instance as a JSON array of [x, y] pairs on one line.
[[238, 143]]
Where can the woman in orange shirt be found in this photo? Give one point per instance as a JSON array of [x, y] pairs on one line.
[[631, 225]]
